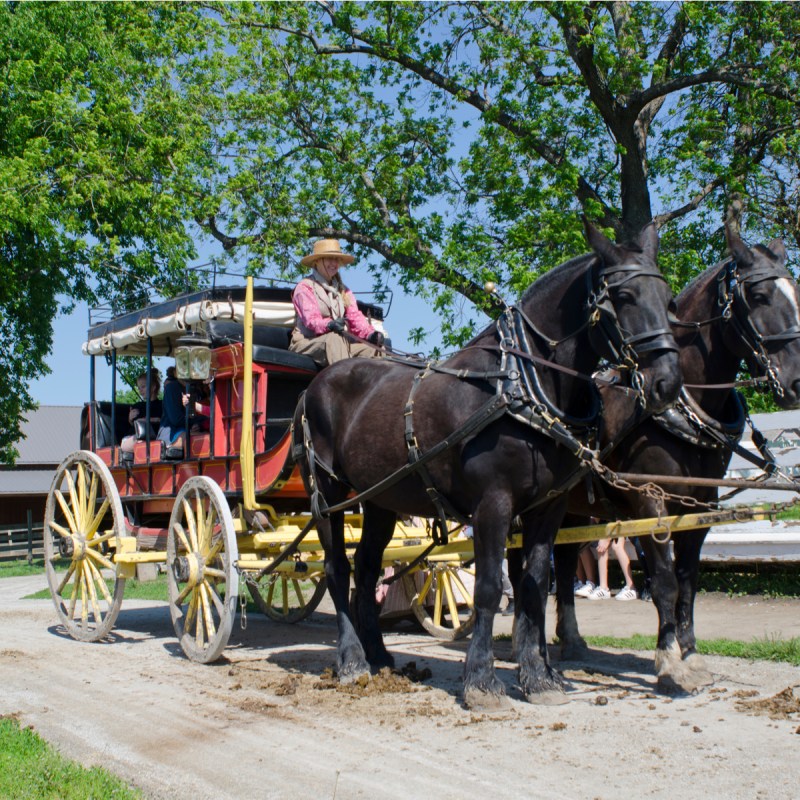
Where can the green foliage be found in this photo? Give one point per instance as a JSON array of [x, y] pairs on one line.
[[20, 568], [32, 770], [446, 143]]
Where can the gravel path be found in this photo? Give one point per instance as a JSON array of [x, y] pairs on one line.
[[265, 722]]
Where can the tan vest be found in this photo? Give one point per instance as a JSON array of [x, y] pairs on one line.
[[330, 300]]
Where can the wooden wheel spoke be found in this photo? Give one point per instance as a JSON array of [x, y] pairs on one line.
[[298, 591], [191, 612], [73, 597], [181, 533], [100, 558], [104, 537], [191, 525], [468, 599], [97, 519], [215, 598], [100, 581], [270, 592], [83, 514], [66, 510], [437, 607], [60, 530], [285, 596], [426, 587], [451, 600], [183, 594], [93, 491], [214, 573], [84, 602], [65, 579], [214, 551], [73, 496]]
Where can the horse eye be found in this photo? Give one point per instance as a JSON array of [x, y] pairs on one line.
[[625, 296], [759, 299]]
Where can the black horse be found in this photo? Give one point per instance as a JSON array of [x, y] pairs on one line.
[[500, 418], [747, 308]]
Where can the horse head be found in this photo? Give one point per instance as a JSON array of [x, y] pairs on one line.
[[760, 303], [629, 300]]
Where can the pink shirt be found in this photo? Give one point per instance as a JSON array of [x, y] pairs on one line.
[[307, 308]]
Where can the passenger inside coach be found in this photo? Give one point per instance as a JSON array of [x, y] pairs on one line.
[[139, 410]]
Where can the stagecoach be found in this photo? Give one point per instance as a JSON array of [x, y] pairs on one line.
[[220, 509], [224, 511]]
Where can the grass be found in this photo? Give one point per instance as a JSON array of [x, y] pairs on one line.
[[30, 769], [786, 650], [134, 590], [21, 568]]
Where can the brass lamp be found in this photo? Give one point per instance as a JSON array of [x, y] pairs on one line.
[[193, 357]]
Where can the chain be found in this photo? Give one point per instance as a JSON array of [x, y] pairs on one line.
[[651, 490], [243, 576]]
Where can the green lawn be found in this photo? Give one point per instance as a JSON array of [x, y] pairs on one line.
[[32, 770], [787, 650]]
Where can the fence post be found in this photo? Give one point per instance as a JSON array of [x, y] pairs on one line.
[[30, 537]]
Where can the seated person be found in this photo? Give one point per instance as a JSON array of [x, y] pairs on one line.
[[199, 409], [139, 410], [329, 325], [173, 417]]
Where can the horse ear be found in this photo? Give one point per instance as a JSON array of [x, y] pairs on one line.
[[600, 243], [778, 249], [739, 250], [648, 240]]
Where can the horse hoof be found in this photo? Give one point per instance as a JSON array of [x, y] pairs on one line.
[[701, 675], [574, 651], [478, 700], [354, 674], [549, 697]]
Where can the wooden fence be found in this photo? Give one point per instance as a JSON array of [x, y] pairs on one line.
[[22, 543]]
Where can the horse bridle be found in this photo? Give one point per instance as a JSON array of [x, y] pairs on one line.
[[736, 311]]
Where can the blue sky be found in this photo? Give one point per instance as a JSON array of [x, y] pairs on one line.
[[68, 384]]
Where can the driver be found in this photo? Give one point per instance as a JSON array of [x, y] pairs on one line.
[[329, 325]]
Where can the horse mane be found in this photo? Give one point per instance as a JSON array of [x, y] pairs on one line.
[[543, 282], [702, 279]]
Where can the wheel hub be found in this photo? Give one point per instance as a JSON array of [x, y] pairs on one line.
[[73, 547], [188, 569]]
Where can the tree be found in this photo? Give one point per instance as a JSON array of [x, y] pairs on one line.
[[461, 141], [448, 143], [88, 133]]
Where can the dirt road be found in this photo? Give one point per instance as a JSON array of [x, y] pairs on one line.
[[263, 723]]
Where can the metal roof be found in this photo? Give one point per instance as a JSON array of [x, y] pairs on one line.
[[51, 433], [26, 481]]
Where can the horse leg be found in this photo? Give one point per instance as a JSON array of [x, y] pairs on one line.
[[687, 567], [378, 530], [482, 688], [351, 663], [540, 683], [573, 645]]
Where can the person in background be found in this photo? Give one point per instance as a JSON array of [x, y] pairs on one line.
[[601, 591], [586, 579], [329, 325]]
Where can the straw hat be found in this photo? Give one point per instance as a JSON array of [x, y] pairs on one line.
[[327, 248]]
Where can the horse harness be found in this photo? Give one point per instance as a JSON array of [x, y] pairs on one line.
[[518, 393]]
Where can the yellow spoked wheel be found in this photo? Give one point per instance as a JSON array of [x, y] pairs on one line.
[[443, 602], [82, 525], [201, 574], [288, 596]]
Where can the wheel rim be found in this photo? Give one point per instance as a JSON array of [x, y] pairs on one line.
[[288, 597], [201, 571], [83, 523], [443, 604]]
